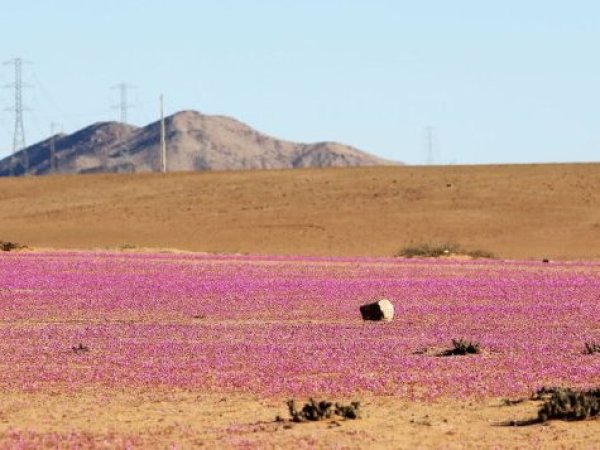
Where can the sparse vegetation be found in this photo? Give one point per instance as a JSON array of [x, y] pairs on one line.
[[315, 411], [568, 404], [350, 411], [8, 246], [428, 250], [461, 347], [480, 254], [80, 348], [591, 348], [436, 250], [561, 404]]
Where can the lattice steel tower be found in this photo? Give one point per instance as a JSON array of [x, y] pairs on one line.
[[123, 105], [19, 136]]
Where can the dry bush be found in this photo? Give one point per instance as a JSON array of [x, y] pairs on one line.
[[591, 348], [80, 348], [562, 404], [568, 404], [436, 250], [8, 246], [461, 347], [315, 411]]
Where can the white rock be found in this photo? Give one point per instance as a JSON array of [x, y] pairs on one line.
[[381, 310]]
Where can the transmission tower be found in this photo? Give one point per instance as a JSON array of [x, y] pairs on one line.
[[19, 136], [124, 104]]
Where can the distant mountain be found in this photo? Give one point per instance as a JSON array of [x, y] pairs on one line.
[[194, 142]]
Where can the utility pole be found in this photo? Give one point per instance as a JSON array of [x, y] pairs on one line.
[[19, 134], [53, 161], [429, 144], [124, 104], [163, 140]]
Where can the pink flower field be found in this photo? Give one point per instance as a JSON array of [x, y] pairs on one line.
[[290, 326]]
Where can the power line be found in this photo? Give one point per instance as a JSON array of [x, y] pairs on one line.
[[55, 107], [124, 104]]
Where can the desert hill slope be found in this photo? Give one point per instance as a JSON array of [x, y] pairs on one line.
[[521, 211], [195, 142]]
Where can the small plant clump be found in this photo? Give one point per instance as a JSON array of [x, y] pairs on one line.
[[80, 348], [561, 404], [350, 411], [315, 411], [591, 348], [476, 254], [8, 246], [462, 347], [567, 404], [430, 250]]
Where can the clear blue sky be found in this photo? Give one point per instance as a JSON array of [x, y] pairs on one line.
[[499, 81]]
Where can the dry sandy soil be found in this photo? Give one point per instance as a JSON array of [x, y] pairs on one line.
[[528, 211], [159, 419], [514, 211]]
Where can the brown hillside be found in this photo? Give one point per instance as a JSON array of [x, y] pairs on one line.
[[195, 142], [522, 211]]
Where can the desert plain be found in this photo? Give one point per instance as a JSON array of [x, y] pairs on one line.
[[204, 301], [514, 211]]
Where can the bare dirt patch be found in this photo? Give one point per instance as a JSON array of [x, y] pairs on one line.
[[159, 418]]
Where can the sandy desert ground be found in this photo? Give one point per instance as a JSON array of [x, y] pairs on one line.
[[518, 211], [167, 419]]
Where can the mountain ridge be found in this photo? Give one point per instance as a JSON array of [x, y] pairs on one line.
[[195, 142]]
